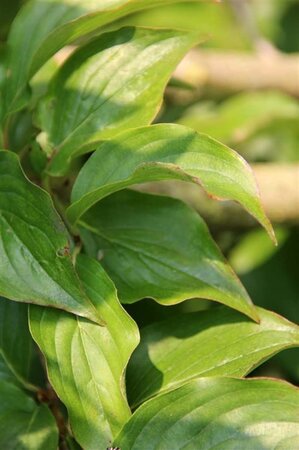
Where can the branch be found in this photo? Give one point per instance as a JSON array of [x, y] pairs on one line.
[[236, 71], [279, 187]]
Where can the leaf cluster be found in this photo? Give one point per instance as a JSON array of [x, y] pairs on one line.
[[78, 244]]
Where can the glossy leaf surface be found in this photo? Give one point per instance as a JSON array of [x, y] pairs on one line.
[[35, 264], [163, 152], [24, 425], [113, 83], [86, 362], [217, 413], [67, 20], [158, 247], [217, 342]]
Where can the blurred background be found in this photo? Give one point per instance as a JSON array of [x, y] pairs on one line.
[[241, 86]]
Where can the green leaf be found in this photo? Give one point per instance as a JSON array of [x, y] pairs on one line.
[[113, 83], [217, 342], [66, 21], [241, 115], [96, 15], [274, 285], [162, 152], [16, 344], [158, 247], [35, 264], [86, 362], [24, 425], [217, 413], [254, 249], [5, 373]]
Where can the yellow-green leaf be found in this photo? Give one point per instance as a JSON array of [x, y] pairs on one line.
[[113, 83], [217, 342], [162, 152], [86, 362]]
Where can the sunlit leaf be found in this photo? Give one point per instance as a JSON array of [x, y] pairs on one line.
[[217, 413], [218, 342], [67, 20], [274, 285], [113, 83], [166, 152], [86, 362]]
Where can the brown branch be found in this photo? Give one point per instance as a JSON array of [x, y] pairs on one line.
[[49, 397], [279, 187], [238, 71]]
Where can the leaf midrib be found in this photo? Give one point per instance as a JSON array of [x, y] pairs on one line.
[[149, 256]]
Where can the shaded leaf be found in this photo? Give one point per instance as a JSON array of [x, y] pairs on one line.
[[113, 83], [17, 348], [5, 373], [86, 362], [24, 425], [35, 264], [162, 152], [160, 248], [217, 413], [210, 343]]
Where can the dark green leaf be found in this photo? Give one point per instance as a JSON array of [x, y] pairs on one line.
[[24, 425], [163, 152], [160, 248], [113, 83], [86, 362], [35, 264], [210, 343], [17, 348], [217, 413]]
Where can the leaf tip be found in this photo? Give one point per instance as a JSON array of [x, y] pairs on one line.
[[270, 230], [253, 314]]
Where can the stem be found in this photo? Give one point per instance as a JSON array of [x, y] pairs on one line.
[[49, 397]]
